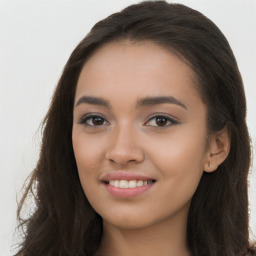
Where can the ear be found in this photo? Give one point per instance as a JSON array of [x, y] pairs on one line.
[[218, 150]]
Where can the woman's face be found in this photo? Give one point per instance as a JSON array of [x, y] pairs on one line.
[[139, 134]]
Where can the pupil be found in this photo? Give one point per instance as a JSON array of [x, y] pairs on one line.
[[97, 120], [161, 121]]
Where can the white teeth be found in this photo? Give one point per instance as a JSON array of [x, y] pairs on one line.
[[139, 183], [116, 183], [129, 184], [132, 184], [123, 184]]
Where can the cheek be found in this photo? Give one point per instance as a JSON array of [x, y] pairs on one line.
[[88, 154], [180, 165], [180, 157], [87, 149]]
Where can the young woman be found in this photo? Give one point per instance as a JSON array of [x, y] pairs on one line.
[[145, 147]]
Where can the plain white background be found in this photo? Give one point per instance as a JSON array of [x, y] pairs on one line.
[[36, 39]]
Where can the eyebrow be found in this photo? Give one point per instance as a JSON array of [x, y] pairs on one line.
[[94, 101], [148, 101]]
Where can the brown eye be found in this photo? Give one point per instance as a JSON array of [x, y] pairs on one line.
[[93, 121], [97, 120], [161, 121]]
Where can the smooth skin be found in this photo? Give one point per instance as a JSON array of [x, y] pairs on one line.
[[117, 129]]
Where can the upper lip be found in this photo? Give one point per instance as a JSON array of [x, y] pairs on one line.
[[122, 175]]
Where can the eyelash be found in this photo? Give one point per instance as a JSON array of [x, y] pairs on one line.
[[84, 120], [169, 120]]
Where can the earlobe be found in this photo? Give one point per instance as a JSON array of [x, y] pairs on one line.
[[218, 150]]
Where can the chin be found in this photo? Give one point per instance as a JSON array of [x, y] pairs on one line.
[[128, 223], [133, 220]]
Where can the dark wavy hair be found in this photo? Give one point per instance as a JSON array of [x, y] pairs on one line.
[[63, 222]]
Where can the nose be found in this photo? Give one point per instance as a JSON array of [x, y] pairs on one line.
[[125, 147]]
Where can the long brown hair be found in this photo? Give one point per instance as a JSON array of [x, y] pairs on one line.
[[64, 223]]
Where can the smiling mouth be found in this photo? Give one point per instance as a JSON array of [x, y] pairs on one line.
[[129, 183]]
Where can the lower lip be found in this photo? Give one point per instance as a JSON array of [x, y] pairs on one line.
[[127, 192]]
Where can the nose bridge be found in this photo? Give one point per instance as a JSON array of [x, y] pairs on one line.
[[125, 146]]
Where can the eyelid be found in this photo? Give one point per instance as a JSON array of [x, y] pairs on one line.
[[83, 120], [168, 117], [88, 116]]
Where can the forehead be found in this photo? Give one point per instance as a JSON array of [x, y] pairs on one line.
[[135, 69]]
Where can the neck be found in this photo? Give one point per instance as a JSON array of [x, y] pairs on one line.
[[167, 238]]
